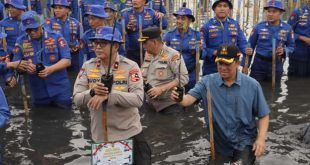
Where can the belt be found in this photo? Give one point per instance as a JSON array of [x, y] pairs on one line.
[[264, 58]]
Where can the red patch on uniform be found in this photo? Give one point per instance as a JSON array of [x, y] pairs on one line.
[[50, 41], [175, 58], [62, 42], [52, 57], [134, 75]]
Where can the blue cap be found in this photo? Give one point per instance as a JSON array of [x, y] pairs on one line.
[[218, 1], [61, 3], [275, 4], [109, 5], [31, 20], [96, 10], [2, 33], [105, 33], [19, 4], [185, 12]]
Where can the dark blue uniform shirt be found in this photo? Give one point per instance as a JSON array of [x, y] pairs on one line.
[[53, 49], [215, 34]]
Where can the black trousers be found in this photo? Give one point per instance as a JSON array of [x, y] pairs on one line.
[[246, 157], [142, 151]]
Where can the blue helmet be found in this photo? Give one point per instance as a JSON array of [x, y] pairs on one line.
[[109, 5], [96, 10], [275, 4], [185, 12], [61, 3], [106, 33], [19, 4], [31, 20]]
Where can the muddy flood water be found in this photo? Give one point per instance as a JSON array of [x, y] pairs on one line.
[[51, 136]]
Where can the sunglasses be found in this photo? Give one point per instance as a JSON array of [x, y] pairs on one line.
[[101, 43]]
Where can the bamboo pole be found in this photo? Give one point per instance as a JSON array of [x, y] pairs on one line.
[[212, 147]]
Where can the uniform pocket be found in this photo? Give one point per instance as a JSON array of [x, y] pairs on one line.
[[161, 72]]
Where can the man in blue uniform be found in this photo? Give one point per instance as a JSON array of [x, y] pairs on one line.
[[111, 10], [72, 4], [96, 17], [69, 28], [299, 60], [12, 24], [261, 39], [185, 40], [132, 16], [234, 109], [218, 31], [35, 5], [48, 55]]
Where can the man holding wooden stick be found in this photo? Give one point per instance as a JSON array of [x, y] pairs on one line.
[[236, 101], [185, 40], [261, 39], [126, 96]]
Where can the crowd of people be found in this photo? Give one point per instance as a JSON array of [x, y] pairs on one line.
[[125, 57]]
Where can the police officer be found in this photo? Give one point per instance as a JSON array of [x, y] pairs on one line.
[[299, 60], [185, 40], [96, 17], [47, 55], [124, 100], [35, 5], [12, 23], [131, 16], [73, 5], [69, 28], [218, 31], [237, 100], [162, 70], [261, 39], [111, 10]]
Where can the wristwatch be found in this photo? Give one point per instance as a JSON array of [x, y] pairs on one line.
[[92, 92]]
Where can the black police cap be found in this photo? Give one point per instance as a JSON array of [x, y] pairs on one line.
[[150, 33]]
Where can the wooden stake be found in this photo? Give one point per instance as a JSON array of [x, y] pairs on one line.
[[212, 147]]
